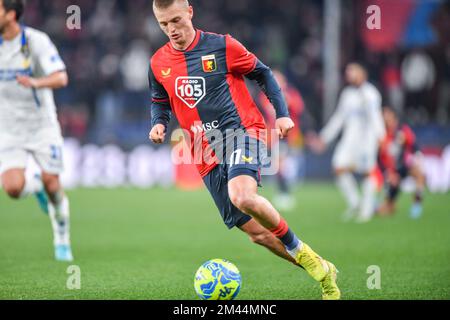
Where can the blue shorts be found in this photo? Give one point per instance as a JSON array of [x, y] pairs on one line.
[[244, 159]]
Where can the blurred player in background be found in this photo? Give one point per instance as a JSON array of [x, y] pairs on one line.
[[358, 116], [290, 147], [199, 77], [30, 67], [398, 158]]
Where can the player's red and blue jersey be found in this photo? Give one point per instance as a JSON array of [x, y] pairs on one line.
[[204, 87], [397, 149]]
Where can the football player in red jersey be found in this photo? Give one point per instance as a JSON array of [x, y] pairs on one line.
[[199, 77], [290, 147], [399, 157]]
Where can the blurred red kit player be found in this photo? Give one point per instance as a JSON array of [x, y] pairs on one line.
[[292, 145], [398, 158], [295, 105]]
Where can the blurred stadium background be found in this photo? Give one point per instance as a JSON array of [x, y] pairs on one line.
[[105, 110]]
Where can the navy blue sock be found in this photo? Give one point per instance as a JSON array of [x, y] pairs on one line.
[[286, 235]]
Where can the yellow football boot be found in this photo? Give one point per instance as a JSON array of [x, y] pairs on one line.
[[321, 270], [312, 263], [330, 290]]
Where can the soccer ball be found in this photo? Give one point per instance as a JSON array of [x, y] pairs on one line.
[[217, 279]]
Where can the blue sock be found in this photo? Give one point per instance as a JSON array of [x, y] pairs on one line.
[[290, 240]]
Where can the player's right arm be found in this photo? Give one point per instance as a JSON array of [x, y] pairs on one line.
[[160, 109]]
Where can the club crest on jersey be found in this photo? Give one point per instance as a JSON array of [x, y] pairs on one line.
[[209, 63], [190, 90]]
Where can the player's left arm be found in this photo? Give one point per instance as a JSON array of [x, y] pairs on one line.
[[243, 62], [266, 81], [49, 61]]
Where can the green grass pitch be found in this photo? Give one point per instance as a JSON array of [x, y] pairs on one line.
[[147, 244]]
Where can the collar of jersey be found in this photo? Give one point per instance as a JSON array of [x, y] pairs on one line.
[[22, 34], [193, 44]]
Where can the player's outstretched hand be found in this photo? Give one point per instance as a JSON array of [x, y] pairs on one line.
[[283, 125], [157, 134], [316, 144]]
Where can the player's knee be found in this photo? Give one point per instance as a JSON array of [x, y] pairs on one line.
[[13, 190], [51, 183], [243, 201], [13, 184]]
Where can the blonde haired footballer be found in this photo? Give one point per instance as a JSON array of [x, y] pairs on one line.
[[30, 67]]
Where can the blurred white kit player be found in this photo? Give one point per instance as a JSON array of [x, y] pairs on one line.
[[30, 67], [359, 117]]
